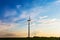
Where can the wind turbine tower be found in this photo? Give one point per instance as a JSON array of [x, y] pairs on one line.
[[29, 20]]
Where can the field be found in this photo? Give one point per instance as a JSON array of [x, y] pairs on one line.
[[34, 38]]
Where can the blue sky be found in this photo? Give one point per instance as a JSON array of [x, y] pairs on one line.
[[11, 5], [45, 17]]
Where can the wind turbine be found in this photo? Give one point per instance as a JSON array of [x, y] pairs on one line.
[[29, 20]]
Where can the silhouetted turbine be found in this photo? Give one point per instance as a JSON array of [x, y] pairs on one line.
[[29, 26]]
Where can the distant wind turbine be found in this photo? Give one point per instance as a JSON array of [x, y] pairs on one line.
[[29, 20]]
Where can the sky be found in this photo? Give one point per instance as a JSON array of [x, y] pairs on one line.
[[44, 14]]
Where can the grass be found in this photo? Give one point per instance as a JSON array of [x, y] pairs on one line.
[[33, 38]]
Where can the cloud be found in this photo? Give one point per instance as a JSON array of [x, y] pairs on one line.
[[7, 34], [5, 26], [47, 25], [42, 17], [18, 6], [22, 16], [33, 13], [57, 2], [10, 13], [48, 21]]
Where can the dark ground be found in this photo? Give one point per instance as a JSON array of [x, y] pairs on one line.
[[34, 38]]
